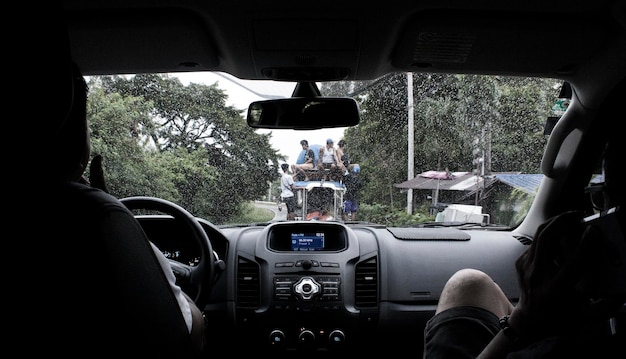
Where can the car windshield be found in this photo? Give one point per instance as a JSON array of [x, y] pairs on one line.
[[430, 149]]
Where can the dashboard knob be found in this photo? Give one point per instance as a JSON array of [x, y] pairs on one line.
[[306, 264], [306, 337], [277, 338], [336, 337]]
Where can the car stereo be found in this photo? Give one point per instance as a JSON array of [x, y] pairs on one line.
[[307, 238]]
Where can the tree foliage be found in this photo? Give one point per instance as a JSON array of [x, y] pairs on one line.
[[501, 117], [182, 143]]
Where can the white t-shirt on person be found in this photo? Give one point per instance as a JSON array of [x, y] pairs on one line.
[[329, 155], [286, 183]]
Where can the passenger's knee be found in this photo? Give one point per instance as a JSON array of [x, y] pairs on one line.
[[473, 287], [471, 276], [467, 282]]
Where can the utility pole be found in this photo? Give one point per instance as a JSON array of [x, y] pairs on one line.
[[411, 162]]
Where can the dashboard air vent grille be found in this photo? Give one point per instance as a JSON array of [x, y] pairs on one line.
[[366, 284], [525, 240], [248, 284]]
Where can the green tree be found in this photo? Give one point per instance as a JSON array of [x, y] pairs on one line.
[[188, 146], [453, 114], [524, 106], [378, 143], [440, 142], [115, 124]]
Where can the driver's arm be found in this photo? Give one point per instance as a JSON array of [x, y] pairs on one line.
[[192, 314]]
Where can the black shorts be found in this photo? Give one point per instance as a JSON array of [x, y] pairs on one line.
[[461, 332], [290, 202]]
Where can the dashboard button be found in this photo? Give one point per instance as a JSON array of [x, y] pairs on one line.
[[277, 338], [336, 337], [307, 288]]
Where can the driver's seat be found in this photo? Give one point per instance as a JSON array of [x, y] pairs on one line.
[[94, 285], [108, 292]]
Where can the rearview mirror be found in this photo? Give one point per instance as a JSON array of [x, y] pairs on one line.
[[304, 113]]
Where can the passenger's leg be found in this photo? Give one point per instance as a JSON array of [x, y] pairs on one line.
[[294, 171], [302, 168], [471, 287], [466, 318]]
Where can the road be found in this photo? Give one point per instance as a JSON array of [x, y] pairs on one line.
[[272, 206]]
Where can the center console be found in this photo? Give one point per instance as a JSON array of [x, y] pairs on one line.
[[307, 290]]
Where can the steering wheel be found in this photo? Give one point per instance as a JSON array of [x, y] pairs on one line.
[[196, 281]]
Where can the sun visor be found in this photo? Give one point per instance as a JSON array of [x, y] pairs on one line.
[[498, 42], [138, 41]]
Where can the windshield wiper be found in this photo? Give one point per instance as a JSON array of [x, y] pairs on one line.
[[243, 225], [461, 225]]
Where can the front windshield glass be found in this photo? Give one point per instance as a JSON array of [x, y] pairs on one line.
[[430, 148]]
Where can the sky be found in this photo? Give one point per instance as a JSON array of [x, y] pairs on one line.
[[242, 92]]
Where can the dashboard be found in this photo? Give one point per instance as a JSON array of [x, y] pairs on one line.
[[314, 286], [310, 287]]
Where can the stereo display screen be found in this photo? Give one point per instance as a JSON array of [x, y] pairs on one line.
[[301, 241], [307, 237]]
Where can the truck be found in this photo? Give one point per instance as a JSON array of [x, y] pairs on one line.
[[319, 200]]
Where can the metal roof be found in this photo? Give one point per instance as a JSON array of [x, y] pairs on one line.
[[527, 182], [466, 181], [455, 181]]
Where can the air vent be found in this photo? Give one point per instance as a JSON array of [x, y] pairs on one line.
[[525, 240], [248, 284], [366, 284]]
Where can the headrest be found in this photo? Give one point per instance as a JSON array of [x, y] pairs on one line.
[[49, 71], [54, 34], [45, 80]]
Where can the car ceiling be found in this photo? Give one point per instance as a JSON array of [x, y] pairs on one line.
[[339, 40]]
